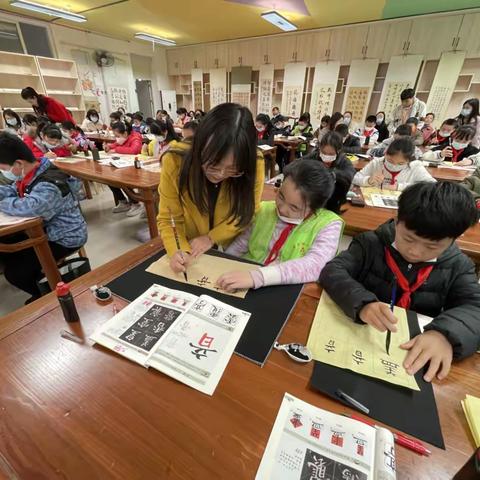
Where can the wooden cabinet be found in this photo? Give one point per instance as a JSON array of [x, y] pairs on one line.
[[283, 50], [197, 57], [320, 46], [216, 55], [244, 53], [356, 42], [338, 47], [304, 48], [173, 61], [468, 38], [376, 38], [397, 38]]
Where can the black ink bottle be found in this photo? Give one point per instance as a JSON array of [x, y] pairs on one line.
[[66, 302]]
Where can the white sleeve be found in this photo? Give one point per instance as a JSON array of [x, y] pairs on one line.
[[361, 178], [419, 174]]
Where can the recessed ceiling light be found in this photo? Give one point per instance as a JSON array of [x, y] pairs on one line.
[[155, 39], [53, 12], [279, 21]]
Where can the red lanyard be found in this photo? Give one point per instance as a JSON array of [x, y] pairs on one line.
[[456, 154], [23, 183], [393, 174], [273, 255], [407, 290]]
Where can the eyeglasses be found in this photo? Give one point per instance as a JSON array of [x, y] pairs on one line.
[[222, 172]]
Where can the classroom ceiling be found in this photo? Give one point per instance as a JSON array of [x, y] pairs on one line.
[[198, 21]]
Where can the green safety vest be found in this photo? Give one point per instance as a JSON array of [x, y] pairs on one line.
[[298, 242]]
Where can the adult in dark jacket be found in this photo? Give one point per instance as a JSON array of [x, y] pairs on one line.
[[382, 127], [329, 151], [351, 143], [433, 277]]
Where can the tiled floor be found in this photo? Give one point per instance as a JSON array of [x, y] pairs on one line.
[[109, 235]]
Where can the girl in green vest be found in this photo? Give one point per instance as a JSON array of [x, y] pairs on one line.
[[294, 236]]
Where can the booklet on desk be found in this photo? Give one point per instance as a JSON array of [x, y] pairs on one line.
[[186, 337], [309, 443], [270, 306]]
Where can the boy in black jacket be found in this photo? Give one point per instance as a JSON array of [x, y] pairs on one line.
[[418, 252]]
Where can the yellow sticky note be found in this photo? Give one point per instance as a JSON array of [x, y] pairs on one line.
[[337, 340], [471, 407]]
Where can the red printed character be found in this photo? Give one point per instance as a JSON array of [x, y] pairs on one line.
[[337, 439], [295, 420], [315, 430], [205, 341]]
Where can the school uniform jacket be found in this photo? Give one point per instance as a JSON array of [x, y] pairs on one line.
[[132, 146], [470, 150], [342, 163], [451, 294], [351, 144], [55, 111]]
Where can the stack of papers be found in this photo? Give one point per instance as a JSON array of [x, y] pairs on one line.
[[471, 407]]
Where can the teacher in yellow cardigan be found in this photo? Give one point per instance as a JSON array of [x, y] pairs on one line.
[[211, 187]]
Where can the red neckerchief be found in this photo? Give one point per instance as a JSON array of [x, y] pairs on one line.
[[260, 135], [367, 133], [393, 174], [274, 252], [456, 154], [440, 138], [407, 290], [24, 182]]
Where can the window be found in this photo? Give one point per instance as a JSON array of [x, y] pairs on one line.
[[36, 40], [9, 38]]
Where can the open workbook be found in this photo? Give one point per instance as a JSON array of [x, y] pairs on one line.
[[310, 443], [187, 337]]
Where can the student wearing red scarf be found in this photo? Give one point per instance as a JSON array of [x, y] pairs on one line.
[[460, 147], [264, 128], [416, 253], [442, 137], [47, 106]]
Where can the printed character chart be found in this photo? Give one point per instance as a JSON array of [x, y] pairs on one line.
[[118, 98], [392, 96], [324, 87], [384, 201], [376, 197], [293, 102], [310, 443], [202, 272], [218, 86], [293, 81], [197, 95], [357, 102], [337, 340], [187, 337], [243, 98]]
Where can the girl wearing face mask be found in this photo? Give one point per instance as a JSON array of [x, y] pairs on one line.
[[264, 128], [12, 122], [381, 126], [347, 119], [460, 147], [163, 133], [396, 171], [92, 122], [294, 236], [303, 128], [51, 141], [211, 186], [470, 115], [329, 152], [368, 134]]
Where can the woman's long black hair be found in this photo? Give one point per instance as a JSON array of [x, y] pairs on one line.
[[29, 92], [158, 127], [472, 102], [228, 128]]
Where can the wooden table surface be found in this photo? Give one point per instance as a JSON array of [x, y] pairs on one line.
[[76, 411], [101, 137], [129, 178]]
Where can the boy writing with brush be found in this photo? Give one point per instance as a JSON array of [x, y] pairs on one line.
[[433, 277]]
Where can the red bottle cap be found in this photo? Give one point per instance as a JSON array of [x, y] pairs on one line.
[[62, 289]]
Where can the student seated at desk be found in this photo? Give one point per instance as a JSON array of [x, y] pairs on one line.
[[396, 171], [347, 119], [429, 132], [460, 148], [281, 127], [199, 114], [13, 123], [182, 118], [92, 122], [77, 136], [382, 127], [115, 117], [40, 190], [402, 131], [293, 236], [442, 138], [163, 134], [188, 130], [52, 142], [303, 128], [470, 115], [265, 135], [162, 116], [416, 135], [126, 140], [368, 135], [329, 152], [138, 125], [351, 144], [323, 128], [212, 188], [433, 277]]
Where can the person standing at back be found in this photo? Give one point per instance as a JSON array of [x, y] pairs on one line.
[[410, 106], [469, 115]]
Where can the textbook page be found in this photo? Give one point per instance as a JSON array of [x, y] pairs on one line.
[[307, 442]]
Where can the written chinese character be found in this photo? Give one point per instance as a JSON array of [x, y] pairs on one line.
[[358, 357], [318, 468], [330, 346], [390, 367], [201, 282]]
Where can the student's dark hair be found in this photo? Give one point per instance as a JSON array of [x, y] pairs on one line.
[[339, 196], [430, 113], [275, 108], [464, 132], [193, 125], [348, 111], [50, 130], [313, 180], [472, 102], [121, 127], [30, 119], [437, 210], [304, 117], [451, 122], [181, 110], [383, 113], [160, 127], [11, 113], [149, 121], [67, 125], [137, 116], [325, 119], [341, 129], [29, 92], [280, 118], [226, 128], [263, 118], [412, 120], [13, 148], [332, 139], [403, 146], [117, 116], [199, 113], [407, 93], [91, 113], [334, 119], [371, 119], [404, 130]]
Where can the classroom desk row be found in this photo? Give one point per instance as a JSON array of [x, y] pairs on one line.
[[76, 411]]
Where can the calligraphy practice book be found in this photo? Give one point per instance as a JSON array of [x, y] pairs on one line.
[[203, 272], [310, 443], [337, 340], [375, 197], [187, 337]]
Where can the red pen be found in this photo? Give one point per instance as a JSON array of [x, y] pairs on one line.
[[410, 443]]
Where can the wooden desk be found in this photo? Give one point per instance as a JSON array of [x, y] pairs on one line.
[[39, 241], [100, 137], [270, 156], [291, 144], [129, 178], [448, 174], [74, 411]]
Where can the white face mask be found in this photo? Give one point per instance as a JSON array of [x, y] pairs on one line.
[[161, 138], [466, 112], [301, 127], [279, 126], [121, 140], [368, 129], [294, 221], [49, 145], [328, 159], [9, 175], [391, 167], [379, 120], [94, 119], [458, 145], [444, 134], [347, 120], [12, 122], [260, 129]]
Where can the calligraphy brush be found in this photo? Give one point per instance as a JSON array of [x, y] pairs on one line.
[[392, 306], [177, 241]]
